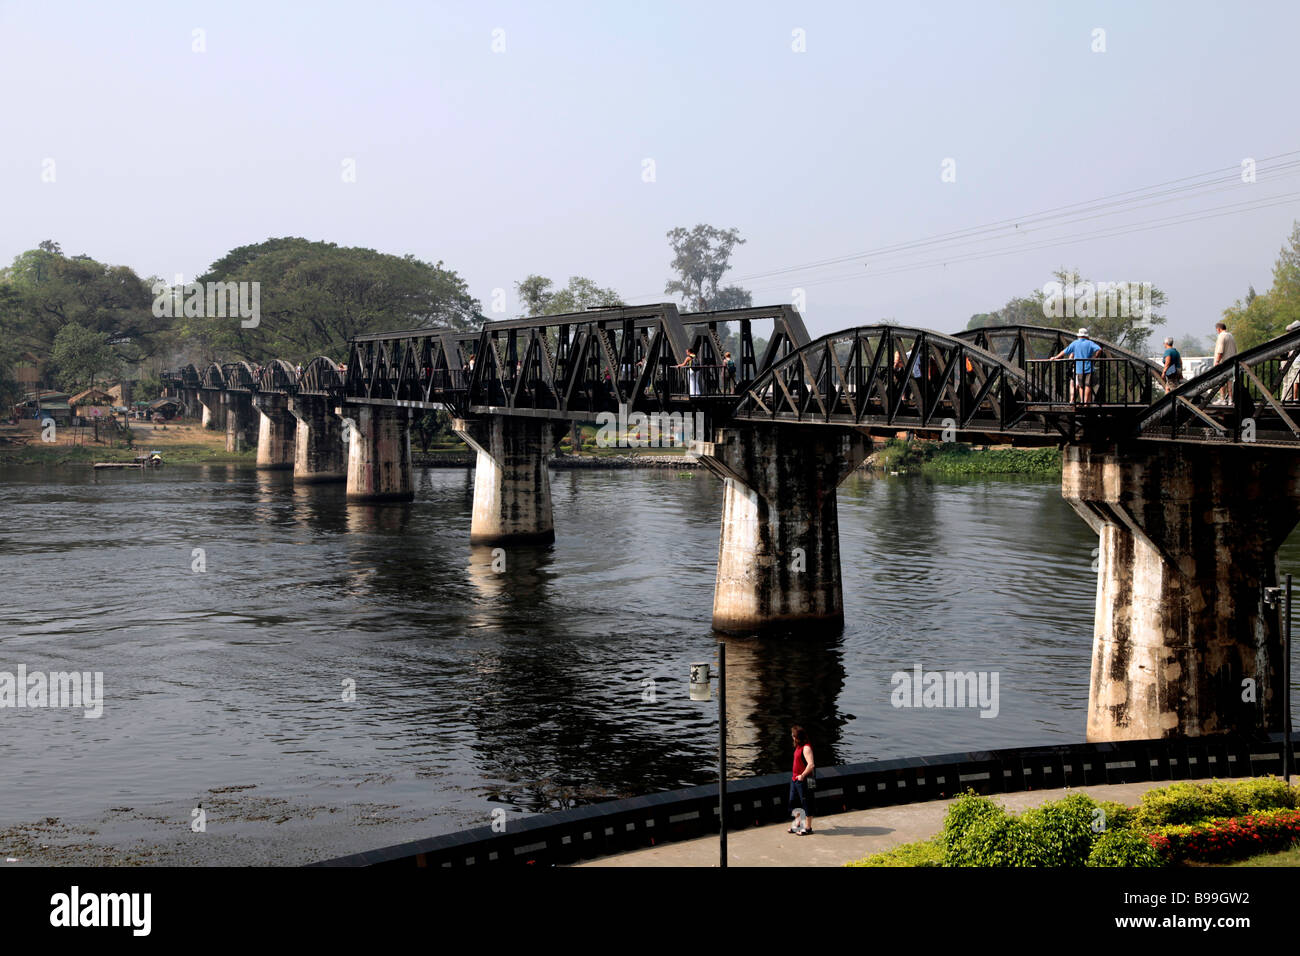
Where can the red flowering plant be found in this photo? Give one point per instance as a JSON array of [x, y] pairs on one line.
[[1231, 838]]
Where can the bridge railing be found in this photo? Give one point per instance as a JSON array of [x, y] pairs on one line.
[[446, 379], [700, 381], [1252, 398], [1113, 381]]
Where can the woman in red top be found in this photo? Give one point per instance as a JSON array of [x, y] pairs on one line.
[[799, 783]]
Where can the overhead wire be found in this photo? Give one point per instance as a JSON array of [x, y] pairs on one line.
[[1184, 188]]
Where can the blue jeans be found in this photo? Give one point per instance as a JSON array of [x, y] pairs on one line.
[[799, 797]]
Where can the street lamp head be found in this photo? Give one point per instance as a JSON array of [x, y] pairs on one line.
[[700, 689]]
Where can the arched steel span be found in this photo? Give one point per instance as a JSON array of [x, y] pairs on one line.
[[277, 375], [189, 377], [1252, 398], [239, 377], [320, 376], [891, 377], [1120, 377], [213, 377]]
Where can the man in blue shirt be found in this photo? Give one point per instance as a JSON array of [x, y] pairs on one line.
[[1173, 370], [1083, 350]]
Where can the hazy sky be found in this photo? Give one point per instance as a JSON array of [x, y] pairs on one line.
[[532, 157]]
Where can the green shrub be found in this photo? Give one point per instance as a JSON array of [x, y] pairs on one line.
[[1266, 793], [994, 840], [927, 853], [1123, 847], [1116, 816], [1182, 821], [1061, 832], [899, 455], [1185, 803], [1197, 802], [964, 811]]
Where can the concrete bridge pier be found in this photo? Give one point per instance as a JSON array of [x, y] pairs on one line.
[[1183, 643], [214, 410], [276, 432], [241, 422], [379, 453], [318, 441], [779, 551], [512, 487]]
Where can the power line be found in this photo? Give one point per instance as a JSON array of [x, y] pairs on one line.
[[1110, 233], [1145, 192], [1087, 218], [1194, 186]]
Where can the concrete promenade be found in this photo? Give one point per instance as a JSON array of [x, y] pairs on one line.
[[842, 837]]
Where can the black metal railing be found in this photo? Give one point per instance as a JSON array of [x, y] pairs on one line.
[[619, 826], [1094, 381], [701, 381]]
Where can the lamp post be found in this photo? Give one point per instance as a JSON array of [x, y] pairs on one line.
[[1286, 696], [1271, 596], [700, 691]]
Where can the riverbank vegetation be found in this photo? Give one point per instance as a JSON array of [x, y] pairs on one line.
[[1182, 824], [178, 442], [181, 454], [956, 459]]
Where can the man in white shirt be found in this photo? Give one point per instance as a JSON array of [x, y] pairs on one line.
[[1225, 347]]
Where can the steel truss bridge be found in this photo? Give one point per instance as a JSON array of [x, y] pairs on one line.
[[986, 385]]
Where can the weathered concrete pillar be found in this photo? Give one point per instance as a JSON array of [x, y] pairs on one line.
[[379, 453], [241, 422], [779, 552], [1183, 644], [276, 432], [214, 410], [512, 487], [318, 441]]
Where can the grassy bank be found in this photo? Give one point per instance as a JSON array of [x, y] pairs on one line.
[[179, 454], [957, 459], [179, 442]]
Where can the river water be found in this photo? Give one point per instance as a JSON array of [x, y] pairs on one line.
[[316, 678]]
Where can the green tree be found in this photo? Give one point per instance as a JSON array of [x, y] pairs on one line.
[[582, 294], [314, 296], [701, 256], [9, 390], [536, 297], [1254, 321], [1021, 310], [82, 355], [1263, 316], [46, 290], [1104, 317], [1286, 276], [1190, 345], [982, 319], [430, 425]]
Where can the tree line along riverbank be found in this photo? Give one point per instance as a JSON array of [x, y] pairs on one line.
[[189, 443]]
